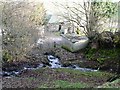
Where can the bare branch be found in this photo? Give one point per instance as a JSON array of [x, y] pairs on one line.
[[78, 10], [78, 17]]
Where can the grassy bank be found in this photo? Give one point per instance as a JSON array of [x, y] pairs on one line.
[[57, 78], [69, 78]]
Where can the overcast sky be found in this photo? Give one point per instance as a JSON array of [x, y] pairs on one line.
[[50, 5], [51, 9]]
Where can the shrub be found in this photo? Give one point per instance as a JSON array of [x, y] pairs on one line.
[[106, 39], [117, 39], [20, 21]]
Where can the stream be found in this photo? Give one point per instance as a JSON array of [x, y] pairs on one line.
[[54, 63]]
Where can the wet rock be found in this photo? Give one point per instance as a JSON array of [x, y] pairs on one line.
[[49, 53], [71, 66], [66, 65], [46, 63], [31, 65], [46, 53], [10, 67]]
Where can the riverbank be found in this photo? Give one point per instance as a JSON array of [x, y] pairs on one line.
[[56, 78], [66, 59]]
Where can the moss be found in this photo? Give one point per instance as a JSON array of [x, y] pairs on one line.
[[7, 57], [102, 54]]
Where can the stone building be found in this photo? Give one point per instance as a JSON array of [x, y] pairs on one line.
[[57, 24]]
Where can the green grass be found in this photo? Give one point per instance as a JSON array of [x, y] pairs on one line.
[[31, 78], [65, 84], [78, 72], [89, 74], [102, 54], [73, 78]]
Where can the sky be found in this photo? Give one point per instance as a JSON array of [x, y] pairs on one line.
[[51, 8], [50, 5]]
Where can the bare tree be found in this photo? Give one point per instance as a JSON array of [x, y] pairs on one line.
[[89, 15]]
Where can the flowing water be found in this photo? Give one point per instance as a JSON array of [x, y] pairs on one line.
[[54, 63]]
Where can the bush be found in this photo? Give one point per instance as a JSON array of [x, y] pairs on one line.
[[20, 21], [117, 39], [101, 55], [106, 39]]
